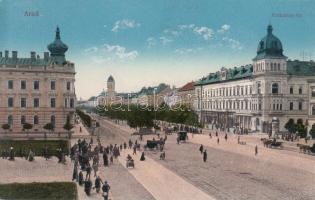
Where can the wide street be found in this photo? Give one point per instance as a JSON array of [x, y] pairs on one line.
[[232, 171]]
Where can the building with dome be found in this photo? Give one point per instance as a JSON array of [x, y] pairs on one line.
[[247, 98], [37, 91]]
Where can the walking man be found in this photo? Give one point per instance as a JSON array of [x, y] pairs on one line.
[[201, 149], [218, 140], [205, 156], [256, 150]]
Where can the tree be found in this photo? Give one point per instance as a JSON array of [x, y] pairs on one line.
[[49, 127], [27, 127], [6, 127], [290, 126], [68, 126], [300, 128], [312, 131]]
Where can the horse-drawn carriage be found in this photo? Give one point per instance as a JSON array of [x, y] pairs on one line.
[[271, 143], [304, 148], [182, 136], [154, 144]]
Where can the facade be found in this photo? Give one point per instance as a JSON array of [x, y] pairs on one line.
[[37, 90], [249, 97], [186, 94]]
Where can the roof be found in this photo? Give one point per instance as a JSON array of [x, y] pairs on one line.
[[151, 90], [296, 67], [269, 46], [25, 61], [187, 87], [110, 79]]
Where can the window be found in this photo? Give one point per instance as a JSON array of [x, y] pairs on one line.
[[291, 105], [313, 92], [10, 120], [313, 110], [66, 103], [259, 106], [300, 105], [53, 120], [258, 88], [23, 85], [68, 86], [10, 84], [53, 102], [291, 90], [275, 88], [278, 66], [52, 85], [300, 90], [36, 120], [23, 102], [36, 85], [23, 120], [10, 102], [71, 103], [36, 102]]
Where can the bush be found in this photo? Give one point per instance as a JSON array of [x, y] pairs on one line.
[[22, 147]]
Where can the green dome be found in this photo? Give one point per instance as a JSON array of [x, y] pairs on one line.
[[57, 48], [270, 45]]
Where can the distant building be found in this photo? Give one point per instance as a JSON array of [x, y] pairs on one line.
[[108, 96], [37, 90], [249, 97], [186, 94], [152, 95]]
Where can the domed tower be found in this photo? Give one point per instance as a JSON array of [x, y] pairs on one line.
[[57, 49], [110, 87], [269, 58]]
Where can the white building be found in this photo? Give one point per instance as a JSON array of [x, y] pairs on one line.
[[248, 97]]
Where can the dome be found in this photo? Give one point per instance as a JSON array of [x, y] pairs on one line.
[[270, 45], [110, 79], [57, 48]]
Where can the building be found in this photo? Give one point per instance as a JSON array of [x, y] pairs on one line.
[[152, 96], [249, 97], [108, 96], [186, 94], [37, 90]]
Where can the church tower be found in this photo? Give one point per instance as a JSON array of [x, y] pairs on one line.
[[110, 89]]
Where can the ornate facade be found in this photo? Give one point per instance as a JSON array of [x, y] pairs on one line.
[[249, 97], [37, 90]]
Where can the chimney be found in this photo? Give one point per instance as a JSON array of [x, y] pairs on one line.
[[0, 54], [6, 54], [33, 55], [14, 54], [46, 56]]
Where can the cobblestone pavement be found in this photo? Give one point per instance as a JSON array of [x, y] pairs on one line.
[[228, 175]]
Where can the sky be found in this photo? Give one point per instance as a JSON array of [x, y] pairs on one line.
[[146, 42]]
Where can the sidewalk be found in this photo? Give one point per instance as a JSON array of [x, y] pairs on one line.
[[162, 183]]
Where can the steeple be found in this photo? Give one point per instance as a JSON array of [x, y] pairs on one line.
[[57, 34], [269, 29]]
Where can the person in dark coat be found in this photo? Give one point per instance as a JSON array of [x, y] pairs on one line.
[[142, 158], [11, 154], [81, 178], [225, 137], [105, 189], [201, 149], [75, 174], [88, 171], [98, 182], [218, 140], [205, 156], [105, 159], [88, 186]]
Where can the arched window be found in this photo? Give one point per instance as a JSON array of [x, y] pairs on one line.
[[275, 88]]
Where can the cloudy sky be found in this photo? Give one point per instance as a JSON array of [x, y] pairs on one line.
[[145, 42]]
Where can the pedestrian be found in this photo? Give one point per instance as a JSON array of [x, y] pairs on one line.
[[201, 149], [81, 178], [95, 168], [205, 156], [88, 187], [142, 158], [256, 150], [216, 133], [11, 154], [111, 159], [88, 171], [134, 150], [105, 159], [97, 183], [225, 137], [210, 135], [75, 174], [218, 140], [105, 189], [238, 139]]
